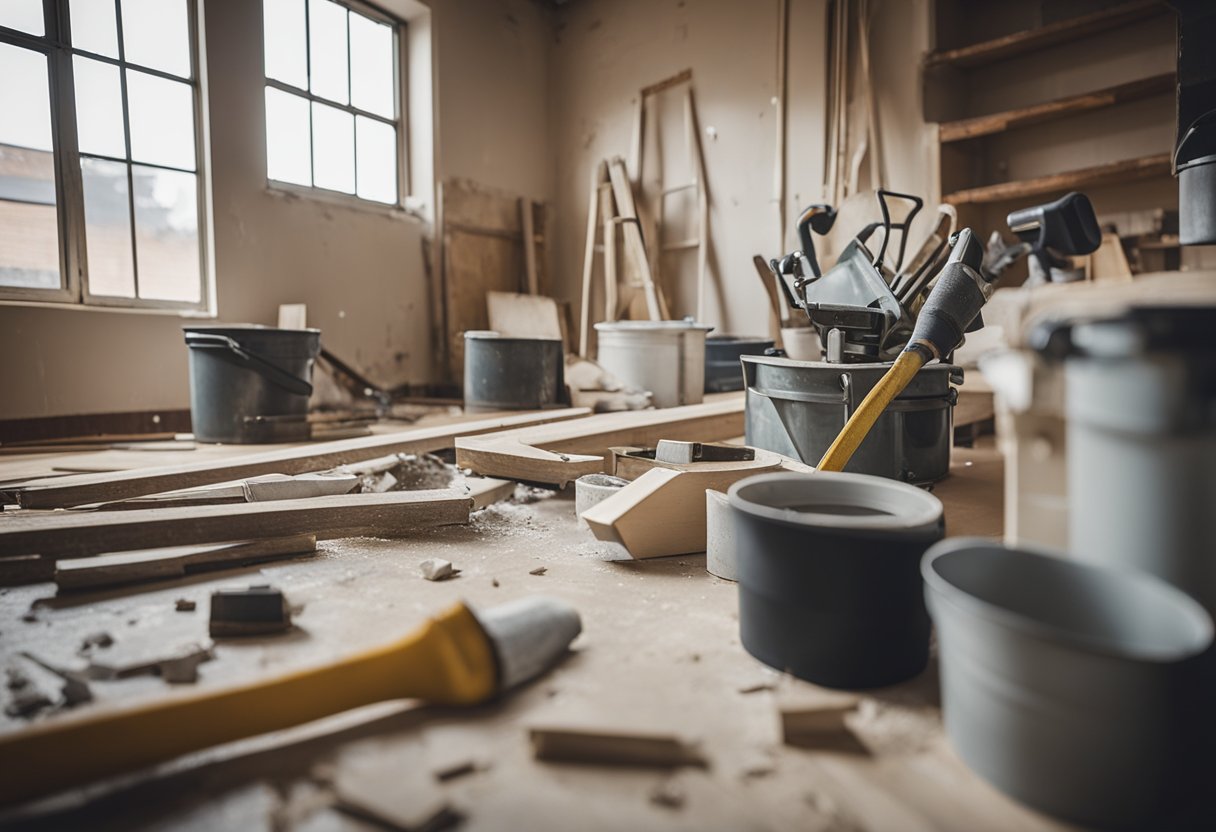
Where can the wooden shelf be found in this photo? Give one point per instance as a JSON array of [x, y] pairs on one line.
[[1111, 173], [1030, 40], [971, 128]]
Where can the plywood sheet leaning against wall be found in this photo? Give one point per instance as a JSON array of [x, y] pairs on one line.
[[484, 250], [560, 453], [57, 492]]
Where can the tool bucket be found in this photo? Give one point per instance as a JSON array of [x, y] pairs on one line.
[[247, 381], [666, 358], [1076, 689], [504, 373], [723, 372], [828, 566]]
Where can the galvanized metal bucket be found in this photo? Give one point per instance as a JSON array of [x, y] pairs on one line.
[[502, 373]]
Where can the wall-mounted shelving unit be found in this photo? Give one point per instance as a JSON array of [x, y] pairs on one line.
[[1037, 99]]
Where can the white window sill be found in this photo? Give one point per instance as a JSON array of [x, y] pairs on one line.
[[74, 306], [412, 211]]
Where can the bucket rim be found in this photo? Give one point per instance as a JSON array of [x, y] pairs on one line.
[[916, 511], [259, 328], [492, 335], [942, 590], [653, 326]]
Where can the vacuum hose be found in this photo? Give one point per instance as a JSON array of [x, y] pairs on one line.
[[959, 293]]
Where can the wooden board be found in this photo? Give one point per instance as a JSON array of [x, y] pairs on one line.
[[662, 511], [517, 315], [972, 128], [1110, 173], [173, 562], [80, 534], [56, 492], [557, 454]]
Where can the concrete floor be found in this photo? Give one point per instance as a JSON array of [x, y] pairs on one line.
[[660, 650]]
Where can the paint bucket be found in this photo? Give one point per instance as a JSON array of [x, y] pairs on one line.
[[250, 383], [502, 373], [723, 372], [1140, 400], [797, 408], [720, 558], [1072, 688], [666, 358], [829, 575]]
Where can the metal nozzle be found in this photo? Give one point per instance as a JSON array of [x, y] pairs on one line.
[[529, 636]]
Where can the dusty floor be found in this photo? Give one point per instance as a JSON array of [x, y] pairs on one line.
[[660, 650]]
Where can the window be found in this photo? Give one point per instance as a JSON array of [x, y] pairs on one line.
[[333, 98], [100, 163]]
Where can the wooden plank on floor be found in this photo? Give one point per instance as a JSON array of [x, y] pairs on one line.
[[80, 534], [57, 492], [558, 454]]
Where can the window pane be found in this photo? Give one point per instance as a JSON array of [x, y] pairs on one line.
[[99, 108], [327, 49], [29, 228], [156, 34], [288, 148], [376, 151], [162, 120], [285, 41], [166, 234], [107, 219], [333, 136], [25, 105], [94, 28], [25, 15], [29, 225], [371, 66]]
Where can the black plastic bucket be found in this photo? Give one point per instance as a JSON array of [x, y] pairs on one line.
[[503, 373], [245, 380], [829, 575], [723, 372]]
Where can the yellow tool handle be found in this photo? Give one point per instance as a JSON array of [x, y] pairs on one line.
[[449, 660], [893, 382]]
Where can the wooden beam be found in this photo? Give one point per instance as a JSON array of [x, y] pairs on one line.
[[1110, 173], [81, 534], [560, 453], [57, 492], [972, 128]]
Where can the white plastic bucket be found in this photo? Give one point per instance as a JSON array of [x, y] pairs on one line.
[[665, 357]]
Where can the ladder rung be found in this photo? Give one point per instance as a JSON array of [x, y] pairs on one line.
[[682, 244], [675, 189]]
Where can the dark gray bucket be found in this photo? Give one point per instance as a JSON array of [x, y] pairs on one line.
[[797, 408], [250, 383], [829, 575], [502, 373], [723, 373], [1076, 689]]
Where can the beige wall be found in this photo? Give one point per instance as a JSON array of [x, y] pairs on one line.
[[607, 50], [360, 271]]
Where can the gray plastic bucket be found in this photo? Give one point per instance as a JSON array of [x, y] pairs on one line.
[[246, 380], [828, 566], [723, 373], [1072, 688], [504, 373]]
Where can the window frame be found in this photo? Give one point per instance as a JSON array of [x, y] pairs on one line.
[[69, 188], [400, 121]]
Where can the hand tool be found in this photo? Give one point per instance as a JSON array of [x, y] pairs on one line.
[[456, 658], [1064, 227]]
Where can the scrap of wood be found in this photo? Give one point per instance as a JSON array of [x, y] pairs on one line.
[[254, 489], [392, 800], [485, 491], [561, 453], [813, 723], [174, 562], [81, 534], [619, 748], [57, 492], [662, 511]]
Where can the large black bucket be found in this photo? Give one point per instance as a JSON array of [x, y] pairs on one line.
[[829, 575], [250, 383]]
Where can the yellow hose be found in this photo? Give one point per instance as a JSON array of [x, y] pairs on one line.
[[448, 660], [858, 427]]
